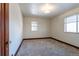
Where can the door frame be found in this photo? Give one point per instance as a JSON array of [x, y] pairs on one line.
[[4, 29]]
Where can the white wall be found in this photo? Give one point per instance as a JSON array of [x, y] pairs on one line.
[[57, 29], [15, 28], [43, 29]]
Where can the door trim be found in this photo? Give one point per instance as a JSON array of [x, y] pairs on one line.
[[4, 29]]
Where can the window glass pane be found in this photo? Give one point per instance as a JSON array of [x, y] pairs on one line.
[[78, 26], [71, 27], [34, 28], [65, 20], [71, 19], [34, 24], [65, 27]]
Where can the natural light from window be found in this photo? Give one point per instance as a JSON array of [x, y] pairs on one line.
[[34, 26], [71, 23]]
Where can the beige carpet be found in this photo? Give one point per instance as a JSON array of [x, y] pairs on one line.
[[46, 47]]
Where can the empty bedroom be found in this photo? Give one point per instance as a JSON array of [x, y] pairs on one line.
[[44, 29]]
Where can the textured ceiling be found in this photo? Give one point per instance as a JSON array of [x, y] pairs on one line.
[[33, 9]]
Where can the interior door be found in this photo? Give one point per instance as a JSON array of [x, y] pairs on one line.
[[4, 28]]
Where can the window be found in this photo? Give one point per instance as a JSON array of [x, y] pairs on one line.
[[34, 26], [78, 23], [71, 23]]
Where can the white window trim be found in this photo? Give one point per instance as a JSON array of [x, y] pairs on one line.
[[34, 26], [65, 27]]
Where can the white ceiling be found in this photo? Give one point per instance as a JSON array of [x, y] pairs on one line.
[[32, 9]]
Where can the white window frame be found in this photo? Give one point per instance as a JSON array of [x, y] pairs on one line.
[[34, 24], [65, 23]]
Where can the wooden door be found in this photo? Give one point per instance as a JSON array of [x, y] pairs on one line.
[[4, 29]]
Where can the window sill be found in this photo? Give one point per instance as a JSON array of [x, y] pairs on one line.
[[72, 32]]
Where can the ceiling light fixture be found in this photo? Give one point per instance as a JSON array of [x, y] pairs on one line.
[[46, 8]]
